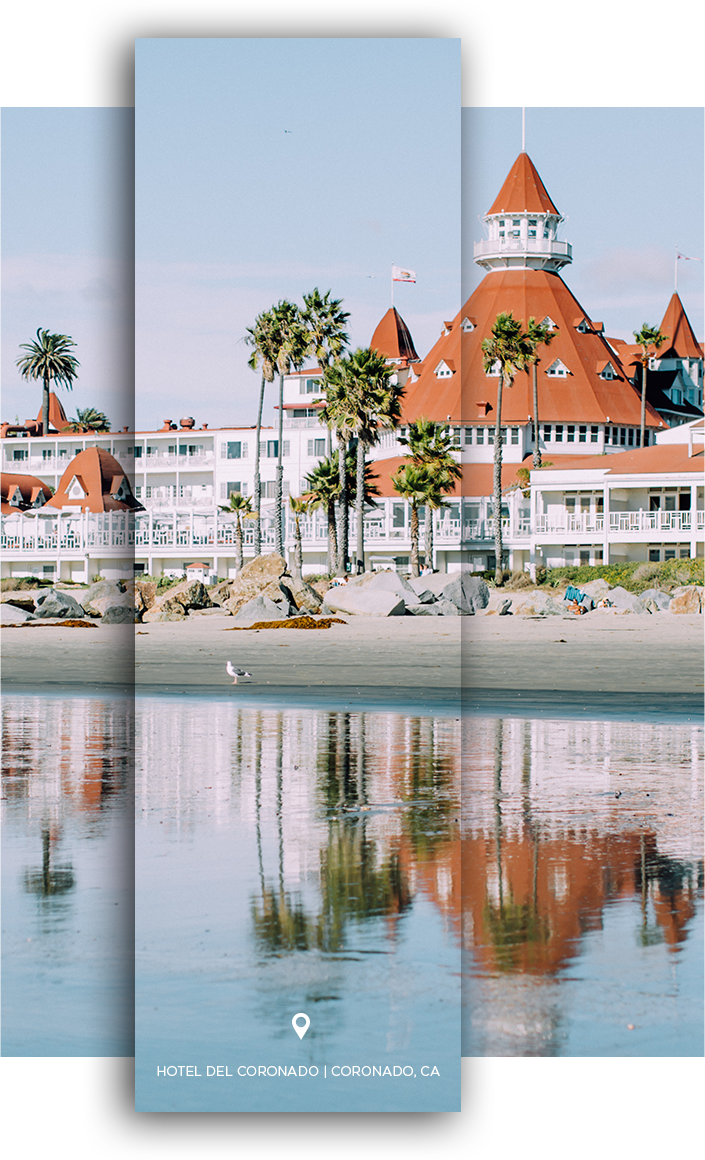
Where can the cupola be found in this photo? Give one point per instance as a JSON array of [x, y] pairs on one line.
[[522, 225]]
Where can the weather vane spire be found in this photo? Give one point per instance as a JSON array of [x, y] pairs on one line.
[[523, 130]]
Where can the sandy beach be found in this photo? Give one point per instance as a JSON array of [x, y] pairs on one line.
[[601, 654]]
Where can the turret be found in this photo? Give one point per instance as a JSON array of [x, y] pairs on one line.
[[522, 225]]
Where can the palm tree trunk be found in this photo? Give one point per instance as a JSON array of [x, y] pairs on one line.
[[535, 385], [45, 407], [497, 486], [298, 548], [279, 498], [642, 427], [342, 507], [238, 542], [258, 486], [332, 538], [429, 536], [360, 507], [415, 570]]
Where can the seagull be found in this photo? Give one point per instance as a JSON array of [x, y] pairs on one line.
[[235, 673]]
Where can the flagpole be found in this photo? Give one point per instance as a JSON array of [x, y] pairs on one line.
[[523, 130], [675, 275], [392, 285]]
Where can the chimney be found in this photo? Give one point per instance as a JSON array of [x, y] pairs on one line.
[[204, 427], [125, 430], [188, 424]]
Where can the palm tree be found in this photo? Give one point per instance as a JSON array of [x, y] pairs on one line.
[[415, 484], [647, 337], [49, 359], [323, 487], [538, 334], [430, 444], [261, 337], [507, 351], [300, 507], [292, 343], [241, 505], [89, 419], [326, 323]]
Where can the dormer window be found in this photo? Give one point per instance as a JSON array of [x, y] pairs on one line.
[[608, 372], [494, 370], [548, 322], [583, 326], [467, 325], [557, 370], [444, 370]]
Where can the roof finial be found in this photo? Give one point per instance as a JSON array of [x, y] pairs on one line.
[[523, 130]]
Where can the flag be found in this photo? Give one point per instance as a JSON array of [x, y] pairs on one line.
[[399, 275], [687, 259]]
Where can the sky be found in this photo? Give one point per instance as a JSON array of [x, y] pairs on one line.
[[67, 250], [267, 167], [629, 183]]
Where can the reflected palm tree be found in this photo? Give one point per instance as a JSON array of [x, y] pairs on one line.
[[49, 881]]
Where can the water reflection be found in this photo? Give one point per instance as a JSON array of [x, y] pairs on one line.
[[583, 877], [66, 876], [285, 853]]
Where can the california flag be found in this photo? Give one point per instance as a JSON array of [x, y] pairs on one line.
[[400, 275]]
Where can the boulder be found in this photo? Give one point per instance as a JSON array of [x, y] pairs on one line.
[[259, 577], [165, 611], [22, 600], [596, 589], [625, 601], [537, 603], [659, 599], [114, 600], [260, 608], [449, 608], [121, 614], [426, 609], [10, 614], [187, 593], [147, 591], [686, 600], [465, 590], [300, 594], [107, 591], [57, 605], [364, 602]]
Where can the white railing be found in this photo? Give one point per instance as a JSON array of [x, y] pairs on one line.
[[183, 462], [642, 521], [303, 421], [43, 535], [628, 523], [584, 522], [543, 246]]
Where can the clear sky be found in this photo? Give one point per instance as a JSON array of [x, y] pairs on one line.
[[628, 181], [265, 167], [67, 249]]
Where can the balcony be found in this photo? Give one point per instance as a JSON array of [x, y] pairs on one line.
[[629, 523], [170, 462], [514, 247]]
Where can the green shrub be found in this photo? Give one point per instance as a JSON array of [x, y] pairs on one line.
[[635, 577]]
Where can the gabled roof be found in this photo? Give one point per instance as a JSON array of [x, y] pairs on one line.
[[523, 190], [580, 397], [29, 490], [392, 338], [57, 415], [100, 476], [682, 342]]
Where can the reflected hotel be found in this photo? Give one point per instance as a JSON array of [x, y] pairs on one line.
[[582, 879]]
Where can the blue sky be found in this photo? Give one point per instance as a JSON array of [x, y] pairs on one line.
[[67, 246], [267, 167], [628, 181]]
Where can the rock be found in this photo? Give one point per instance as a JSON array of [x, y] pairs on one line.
[[10, 614], [259, 577], [115, 600], [686, 600], [18, 600], [300, 594], [625, 601], [219, 593], [596, 589], [107, 591], [57, 605], [504, 608], [121, 614], [209, 612], [165, 612], [188, 593], [659, 599], [147, 590], [426, 609], [464, 590], [537, 604], [260, 608], [449, 608], [363, 602]]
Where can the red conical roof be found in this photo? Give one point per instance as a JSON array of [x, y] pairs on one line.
[[104, 486], [682, 342], [523, 191], [392, 338], [57, 415]]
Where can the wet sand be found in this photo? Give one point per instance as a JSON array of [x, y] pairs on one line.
[[595, 654]]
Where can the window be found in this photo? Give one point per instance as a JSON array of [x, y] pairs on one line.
[[480, 436], [571, 435], [630, 436], [623, 436], [19, 453], [136, 451], [570, 504], [654, 555], [670, 503], [533, 221], [559, 433], [516, 221], [669, 553], [138, 492], [47, 454], [515, 435], [594, 434], [398, 515], [316, 447], [546, 432], [599, 505], [502, 222], [557, 370], [456, 433], [532, 233], [684, 553], [231, 450], [599, 555], [468, 436], [684, 501], [270, 448], [585, 504], [584, 555], [286, 448], [582, 434], [148, 492], [269, 489], [310, 386], [654, 503]]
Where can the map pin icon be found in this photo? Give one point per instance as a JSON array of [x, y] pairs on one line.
[[301, 1031]]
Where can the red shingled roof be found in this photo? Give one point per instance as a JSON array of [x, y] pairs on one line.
[[476, 478], [579, 397], [523, 190], [392, 338], [682, 342], [102, 480], [30, 489], [659, 459]]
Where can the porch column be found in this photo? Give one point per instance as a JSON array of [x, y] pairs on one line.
[[693, 517], [606, 524]]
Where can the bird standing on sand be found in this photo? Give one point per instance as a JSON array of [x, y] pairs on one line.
[[235, 673]]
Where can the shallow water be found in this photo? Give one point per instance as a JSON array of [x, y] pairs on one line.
[[583, 887], [297, 860], [67, 876]]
